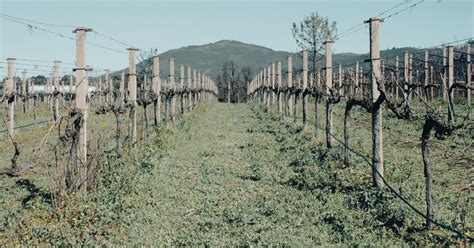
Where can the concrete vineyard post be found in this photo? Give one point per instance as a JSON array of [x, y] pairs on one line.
[[305, 86], [397, 76], [444, 90], [189, 85], [356, 78], [450, 79], [132, 96], [23, 89], [289, 96], [172, 88], [427, 74], [377, 134], [157, 83], [122, 88], [280, 93], [194, 87], [198, 87], [181, 87], [9, 93], [410, 75], [264, 82], [108, 82], [273, 84], [56, 90], [406, 77], [82, 84], [339, 80], [329, 129], [268, 81], [468, 73]]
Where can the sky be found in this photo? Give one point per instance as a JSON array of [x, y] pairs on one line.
[[173, 24]]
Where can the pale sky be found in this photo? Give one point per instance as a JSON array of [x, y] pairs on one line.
[[173, 24]]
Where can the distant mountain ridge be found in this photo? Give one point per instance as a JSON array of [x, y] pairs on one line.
[[210, 57]]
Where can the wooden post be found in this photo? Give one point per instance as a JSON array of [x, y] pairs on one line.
[[329, 129], [305, 86], [157, 89], [82, 85], [172, 88], [289, 97], [132, 96], [9, 93], [280, 93], [468, 73], [377, 135]]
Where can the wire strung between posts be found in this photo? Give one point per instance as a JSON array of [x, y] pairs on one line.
[[31, 26], [353, 31], [344, 33], [112, 39], [397, 194], [403, 10], [37, 65], [42, 61], [392, 8], [36, 22]]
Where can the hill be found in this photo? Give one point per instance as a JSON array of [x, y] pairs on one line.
[[210, 57]]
